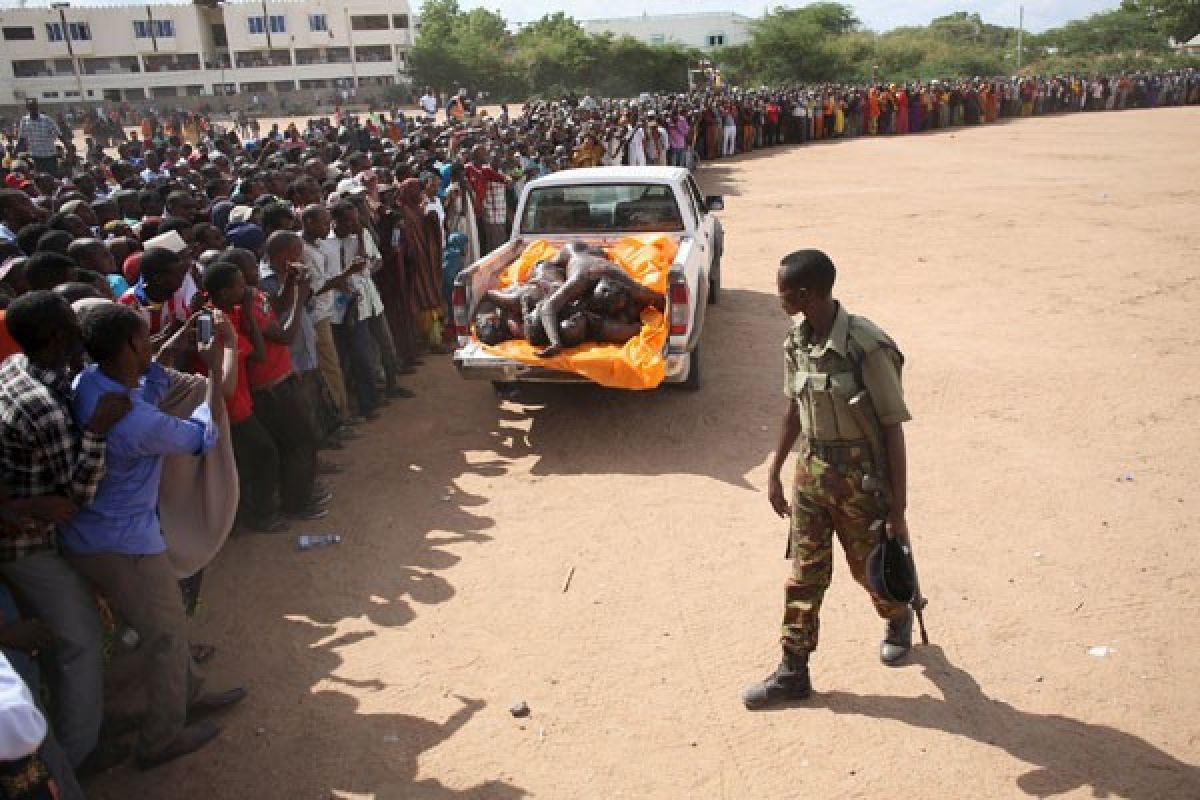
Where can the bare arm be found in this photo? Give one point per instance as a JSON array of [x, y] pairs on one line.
[[788, 434], [897, 457], [549, 309], [509, 300], [258, 351]]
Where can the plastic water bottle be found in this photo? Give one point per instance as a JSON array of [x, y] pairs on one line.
[[313, 541]]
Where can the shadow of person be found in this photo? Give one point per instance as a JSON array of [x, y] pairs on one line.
[[1067, 753], [383, 762]]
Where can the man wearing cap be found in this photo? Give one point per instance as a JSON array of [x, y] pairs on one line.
[[157, 295], [40, 135], [842, 373]]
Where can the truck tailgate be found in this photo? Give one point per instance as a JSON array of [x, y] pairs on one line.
[[474, 362]]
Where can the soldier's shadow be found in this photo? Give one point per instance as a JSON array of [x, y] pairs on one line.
[[1068, 753]]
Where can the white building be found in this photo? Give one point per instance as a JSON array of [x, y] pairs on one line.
[[703, 30], [266, 47]]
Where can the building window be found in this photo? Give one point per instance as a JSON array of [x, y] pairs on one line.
[[164, 28], [400, 22], [80, 31], [49, 95], [716, 40], [256, 24], [141, 29], [278, 23], [370, 22], [54, 31], [318, 23], [658, 38], [21, 34]]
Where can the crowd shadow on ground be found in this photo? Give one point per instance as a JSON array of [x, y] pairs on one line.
[[282, 620], [581, 429], [319, 723], [1067, 754]]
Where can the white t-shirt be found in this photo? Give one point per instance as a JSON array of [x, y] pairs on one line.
[[22, 726], [429, 103]]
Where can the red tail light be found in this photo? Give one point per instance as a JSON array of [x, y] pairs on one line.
[[680, 310], [459, 301]]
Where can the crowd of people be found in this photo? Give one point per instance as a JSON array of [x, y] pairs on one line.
[[193, 286]]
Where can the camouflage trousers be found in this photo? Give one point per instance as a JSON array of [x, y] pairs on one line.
[[827, 499]]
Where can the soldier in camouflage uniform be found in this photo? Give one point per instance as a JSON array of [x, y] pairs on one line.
[[841, 479]]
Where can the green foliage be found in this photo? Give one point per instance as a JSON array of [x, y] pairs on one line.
[[1179, 19], [551, 56], [1108, 33], [825, 42]]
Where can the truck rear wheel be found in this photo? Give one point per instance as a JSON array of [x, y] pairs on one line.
[[714, 281]]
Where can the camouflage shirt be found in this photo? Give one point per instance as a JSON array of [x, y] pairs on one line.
[[822, 377]]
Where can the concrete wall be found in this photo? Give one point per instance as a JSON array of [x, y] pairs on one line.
[[117, 65], [689, 30]]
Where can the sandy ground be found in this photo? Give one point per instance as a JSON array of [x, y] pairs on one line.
[[1040, 276]]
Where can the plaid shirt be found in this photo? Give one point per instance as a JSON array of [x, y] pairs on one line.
[[41, 450], [488, 185], [41, 135], [495, 205]]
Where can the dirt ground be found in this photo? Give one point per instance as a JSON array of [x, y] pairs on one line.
[[1040, 276]]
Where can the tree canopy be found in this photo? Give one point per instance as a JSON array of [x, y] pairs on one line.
[[551, 56], [822, 41]]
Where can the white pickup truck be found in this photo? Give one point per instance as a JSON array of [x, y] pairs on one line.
[[600, 206]]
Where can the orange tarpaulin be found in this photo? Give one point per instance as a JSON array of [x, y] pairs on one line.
[[637, 364]]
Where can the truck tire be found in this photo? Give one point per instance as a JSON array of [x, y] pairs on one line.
[[692, 382], [714, 281]]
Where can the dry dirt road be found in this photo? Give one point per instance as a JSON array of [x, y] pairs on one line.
[[1041, 277]]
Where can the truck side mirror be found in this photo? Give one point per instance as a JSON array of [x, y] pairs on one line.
[[714, 202]]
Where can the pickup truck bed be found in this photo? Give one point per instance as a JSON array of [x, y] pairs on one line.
[[667, 194]]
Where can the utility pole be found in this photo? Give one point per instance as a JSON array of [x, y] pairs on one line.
[[1020, 32], [62, 15]]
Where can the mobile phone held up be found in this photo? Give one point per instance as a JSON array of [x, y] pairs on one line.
[[204, 327]]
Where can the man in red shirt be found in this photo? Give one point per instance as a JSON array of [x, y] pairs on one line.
[[253, 448], [156, 293], [280, 401]]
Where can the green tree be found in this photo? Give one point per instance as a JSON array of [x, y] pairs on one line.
[[1179, 19], [1121, 30]]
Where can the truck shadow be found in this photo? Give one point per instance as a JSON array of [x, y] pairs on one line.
[[1066, 754], [722, 431]]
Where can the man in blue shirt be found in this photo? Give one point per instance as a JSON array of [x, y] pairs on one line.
[[116, 540]]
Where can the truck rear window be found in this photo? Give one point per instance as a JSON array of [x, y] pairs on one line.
[[602, 208]]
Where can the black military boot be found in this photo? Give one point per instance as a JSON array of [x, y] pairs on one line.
[[897, 641], [789, 681]]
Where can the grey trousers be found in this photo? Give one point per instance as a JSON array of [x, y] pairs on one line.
[[146, 594], [51, 591]]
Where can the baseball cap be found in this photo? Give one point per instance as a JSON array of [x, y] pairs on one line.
[[248, 236]]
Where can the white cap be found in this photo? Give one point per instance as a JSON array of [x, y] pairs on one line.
[[240, 215], [171, 240]]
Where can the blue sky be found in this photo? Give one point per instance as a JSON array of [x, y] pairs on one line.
[[877, 14]]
